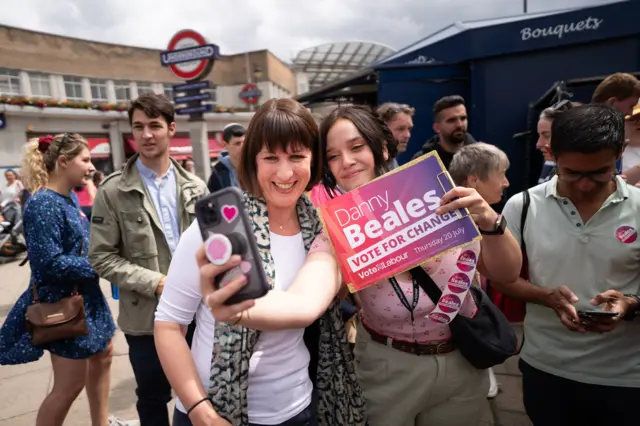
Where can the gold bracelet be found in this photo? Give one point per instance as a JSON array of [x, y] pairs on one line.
[[239, 319]]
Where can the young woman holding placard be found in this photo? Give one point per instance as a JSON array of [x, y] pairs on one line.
[[409, 371]]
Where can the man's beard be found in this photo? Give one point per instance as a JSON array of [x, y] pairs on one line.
[[456, 138]]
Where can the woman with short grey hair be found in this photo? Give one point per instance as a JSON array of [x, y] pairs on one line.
[[482, 166]]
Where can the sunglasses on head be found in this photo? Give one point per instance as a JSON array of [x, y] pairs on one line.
[[399, 107], [562, 105]]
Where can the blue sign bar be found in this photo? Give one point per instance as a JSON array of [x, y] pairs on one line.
[[251, 93], [3, 121], [192, 98], [189, 54], [192, 86], [194, 110]]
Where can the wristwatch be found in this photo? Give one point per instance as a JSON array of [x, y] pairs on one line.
[[631, 315], [498, 227]]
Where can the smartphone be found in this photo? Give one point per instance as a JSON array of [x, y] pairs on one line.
[[597, 314], [223, 213], [446, 183]]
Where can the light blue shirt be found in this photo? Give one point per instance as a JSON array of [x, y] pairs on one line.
[[164, 193]]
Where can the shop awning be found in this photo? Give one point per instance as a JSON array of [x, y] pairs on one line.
[[180, 147], [99, 147]]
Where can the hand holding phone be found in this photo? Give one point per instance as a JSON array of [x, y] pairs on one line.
[[217, 300], [615, 305], [227, 233]]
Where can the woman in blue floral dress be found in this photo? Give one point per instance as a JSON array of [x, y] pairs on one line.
[[57, 235]]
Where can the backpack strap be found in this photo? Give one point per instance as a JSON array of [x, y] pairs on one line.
[[526, 202]]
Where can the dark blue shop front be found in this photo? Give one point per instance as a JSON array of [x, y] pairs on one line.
[[502, 66]]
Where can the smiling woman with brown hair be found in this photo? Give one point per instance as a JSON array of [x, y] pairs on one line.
[[278, 376]]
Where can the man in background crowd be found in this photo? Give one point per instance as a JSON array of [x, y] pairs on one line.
[[139, 214], [619, 90], [224, 173], [399, 119], [579, 367], [450, 122]]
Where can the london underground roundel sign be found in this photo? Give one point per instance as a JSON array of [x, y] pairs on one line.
[[250, 93], [189, 56]]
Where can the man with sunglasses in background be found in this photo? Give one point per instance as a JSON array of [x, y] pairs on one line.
[[399, 119], [224, 174], [621, 91], [580, 366]]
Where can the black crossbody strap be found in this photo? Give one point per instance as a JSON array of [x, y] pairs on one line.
[[427, 284], [526, 201]]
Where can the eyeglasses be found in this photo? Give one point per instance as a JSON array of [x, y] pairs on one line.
[[593, 177], [399, 107]]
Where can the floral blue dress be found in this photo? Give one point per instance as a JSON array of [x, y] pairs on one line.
[[56, 231]]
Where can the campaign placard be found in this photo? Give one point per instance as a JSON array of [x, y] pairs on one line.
[[389, 225]]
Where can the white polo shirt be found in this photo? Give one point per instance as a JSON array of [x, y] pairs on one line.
[[589, 258]]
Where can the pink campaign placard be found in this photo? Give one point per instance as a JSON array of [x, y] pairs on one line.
[[389, 226]]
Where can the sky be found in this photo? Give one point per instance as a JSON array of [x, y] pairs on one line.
[[282, 26]]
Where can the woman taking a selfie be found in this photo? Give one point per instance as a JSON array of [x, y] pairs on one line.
[[410, 372], [57, 236], [285, 377]]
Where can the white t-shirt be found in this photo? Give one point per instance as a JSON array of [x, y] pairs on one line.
[[279, 383]]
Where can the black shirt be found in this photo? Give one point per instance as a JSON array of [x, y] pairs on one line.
[[433, 144]]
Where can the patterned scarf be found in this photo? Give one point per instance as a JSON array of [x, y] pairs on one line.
[[340, 400]]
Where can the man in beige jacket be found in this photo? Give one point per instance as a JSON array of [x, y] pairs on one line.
[[139, 214]]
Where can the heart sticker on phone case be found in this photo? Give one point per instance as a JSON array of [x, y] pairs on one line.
[[229, 213], [245, 266]]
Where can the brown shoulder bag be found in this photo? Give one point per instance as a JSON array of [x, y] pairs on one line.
[[50, 322]]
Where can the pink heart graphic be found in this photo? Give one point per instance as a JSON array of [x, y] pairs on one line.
[[245, 266], [229, 213], [217, 250]]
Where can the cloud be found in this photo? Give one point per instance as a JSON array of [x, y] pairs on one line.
[[282, 26]]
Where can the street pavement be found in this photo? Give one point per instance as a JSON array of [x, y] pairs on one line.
[[23, 387]]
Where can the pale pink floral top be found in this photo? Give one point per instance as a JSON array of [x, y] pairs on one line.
[[383, 311]]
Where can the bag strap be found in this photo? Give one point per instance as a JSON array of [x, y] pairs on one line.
[[526, 202], [34, 290], [427, 284]]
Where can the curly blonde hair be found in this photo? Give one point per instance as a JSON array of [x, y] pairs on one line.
[[37, 165]]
